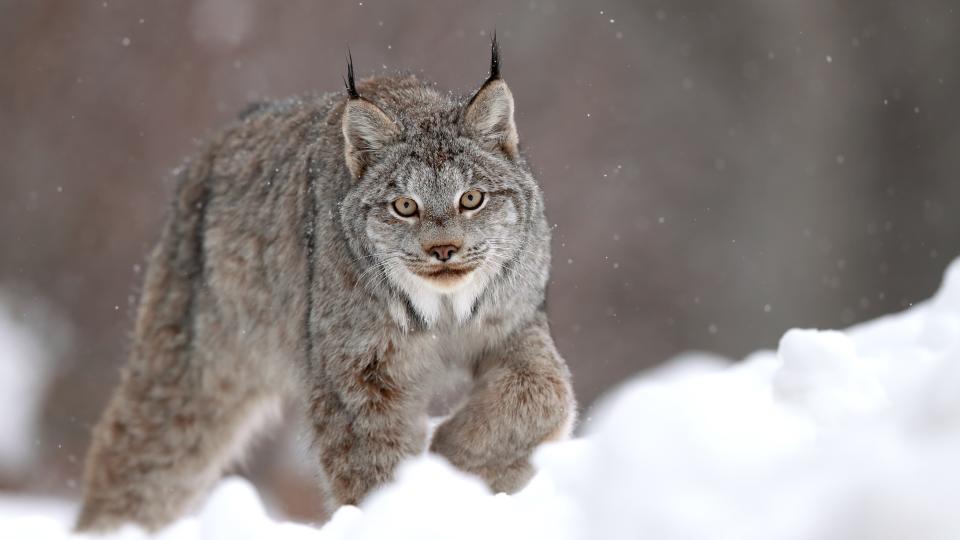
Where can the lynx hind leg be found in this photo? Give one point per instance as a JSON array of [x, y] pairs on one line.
[[521, 398], [189, 400], [162, 443]]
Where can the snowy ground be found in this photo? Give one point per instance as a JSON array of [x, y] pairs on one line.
[[836, 435]]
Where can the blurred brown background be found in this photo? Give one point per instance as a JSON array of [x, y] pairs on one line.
[[717, 171]]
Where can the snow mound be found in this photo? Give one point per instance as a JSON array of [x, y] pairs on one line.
[[836, 435]]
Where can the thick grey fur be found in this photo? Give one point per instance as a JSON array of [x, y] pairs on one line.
[[283, 275]]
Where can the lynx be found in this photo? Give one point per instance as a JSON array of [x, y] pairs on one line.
[[352, 256]]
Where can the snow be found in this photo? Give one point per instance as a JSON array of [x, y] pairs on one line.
[[849, 434], [24, 373]]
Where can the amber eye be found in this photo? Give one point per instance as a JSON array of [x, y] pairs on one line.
[[405, 206], [471, 199]]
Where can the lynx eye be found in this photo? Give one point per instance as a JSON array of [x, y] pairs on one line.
[[471, 200], [405, 206]]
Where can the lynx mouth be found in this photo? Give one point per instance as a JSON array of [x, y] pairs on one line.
[[445, 276]]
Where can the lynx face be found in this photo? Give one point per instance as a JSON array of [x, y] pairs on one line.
[[441, 199], [443, 227]]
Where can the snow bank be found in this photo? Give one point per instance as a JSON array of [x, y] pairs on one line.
[[837, 435]]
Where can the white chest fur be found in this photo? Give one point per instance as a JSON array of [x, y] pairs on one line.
[[437, 304]]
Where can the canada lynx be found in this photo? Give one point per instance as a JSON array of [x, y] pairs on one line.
[[352, 254]]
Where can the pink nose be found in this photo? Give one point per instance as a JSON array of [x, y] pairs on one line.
[[443, 252]]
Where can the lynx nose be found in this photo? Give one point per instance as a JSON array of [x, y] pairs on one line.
[[442, 252]]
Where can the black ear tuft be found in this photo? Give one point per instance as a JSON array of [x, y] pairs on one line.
[[349, 82], [488, 116], [494, 58]]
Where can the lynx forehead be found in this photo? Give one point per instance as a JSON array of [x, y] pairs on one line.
[[349, 254]]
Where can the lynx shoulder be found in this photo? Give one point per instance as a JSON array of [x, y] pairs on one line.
[[354, 255]]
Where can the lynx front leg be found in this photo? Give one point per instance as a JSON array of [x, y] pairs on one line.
[[521, 398], [365, 423]]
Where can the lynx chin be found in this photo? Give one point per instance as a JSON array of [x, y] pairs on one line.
[[356, 256]]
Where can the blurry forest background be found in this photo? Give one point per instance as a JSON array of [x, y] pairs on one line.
[[717, 171]]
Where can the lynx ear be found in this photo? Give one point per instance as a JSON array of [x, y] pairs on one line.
[[488, 118], [366, 129]]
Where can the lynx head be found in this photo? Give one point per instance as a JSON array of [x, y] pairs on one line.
[[441, 204]]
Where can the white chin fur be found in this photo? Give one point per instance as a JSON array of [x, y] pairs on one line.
[[430, 297]]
